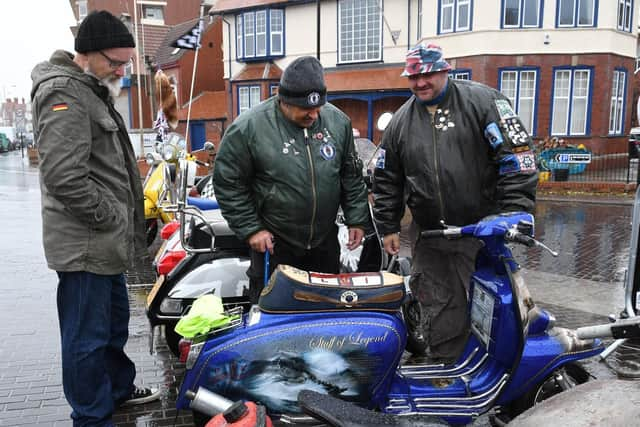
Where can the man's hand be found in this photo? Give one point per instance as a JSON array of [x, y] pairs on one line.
[[261, 241], [355, 237], [391, 243]]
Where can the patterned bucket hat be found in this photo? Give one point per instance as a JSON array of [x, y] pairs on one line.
[[425, 59]]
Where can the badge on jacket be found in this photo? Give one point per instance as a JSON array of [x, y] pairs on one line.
[[328, 151], [63, 106], [493, 135]]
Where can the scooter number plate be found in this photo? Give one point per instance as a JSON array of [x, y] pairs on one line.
[[154, 290]]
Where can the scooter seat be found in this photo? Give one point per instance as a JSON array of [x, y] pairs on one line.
[[204, 204], [291, 290]]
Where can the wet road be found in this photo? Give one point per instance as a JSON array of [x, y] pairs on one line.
[[593, 240]]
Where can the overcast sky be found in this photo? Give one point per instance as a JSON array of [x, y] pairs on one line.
[[30, 30]]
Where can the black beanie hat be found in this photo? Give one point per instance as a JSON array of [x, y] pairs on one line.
[[101, 30], [302, 83]]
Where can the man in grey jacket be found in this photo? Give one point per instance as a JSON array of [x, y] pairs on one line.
[[92, 214]]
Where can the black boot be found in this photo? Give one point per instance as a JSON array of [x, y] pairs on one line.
[[415, 320]]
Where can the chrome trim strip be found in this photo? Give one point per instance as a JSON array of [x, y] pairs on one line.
[[410, 369], [298, 420], [479, 405], [450, 373], [495, 389], [441, 414]]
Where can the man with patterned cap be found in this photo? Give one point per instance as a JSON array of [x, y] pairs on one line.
[[454, 152], [92, 214], [283, 170]]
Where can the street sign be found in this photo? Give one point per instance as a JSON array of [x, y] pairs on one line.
[[573, 157]]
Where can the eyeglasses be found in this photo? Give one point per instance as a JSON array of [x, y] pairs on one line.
[[113, 63]]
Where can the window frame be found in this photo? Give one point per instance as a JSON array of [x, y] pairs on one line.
[[455, 6], [341, 41], [145, 6], [617, 110], [251, 89], [455, 74], [259, 39], [82, 6], [576, 14], [627, 16], [517, 100], [572, 70], [521, 15]]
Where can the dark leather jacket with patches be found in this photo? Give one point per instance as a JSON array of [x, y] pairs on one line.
[[469, 159], [269, 175]]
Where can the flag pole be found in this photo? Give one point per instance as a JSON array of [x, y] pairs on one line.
[[195, 66], [135, 25]]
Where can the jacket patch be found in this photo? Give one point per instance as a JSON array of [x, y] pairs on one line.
[[328, 151], [526, 161], [509, 164], [60, 107], [380, 159], [504, 109], [493, 135], [515, 131]]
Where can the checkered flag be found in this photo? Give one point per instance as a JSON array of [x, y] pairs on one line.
[[190, 39]]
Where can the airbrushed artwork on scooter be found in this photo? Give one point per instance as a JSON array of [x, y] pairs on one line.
[[344, 366]]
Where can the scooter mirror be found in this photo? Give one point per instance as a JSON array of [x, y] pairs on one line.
[[383, 120], [209, 147]]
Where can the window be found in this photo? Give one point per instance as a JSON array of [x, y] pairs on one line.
[[455, 15], [153, 14], [273, 89], [520, 86], [576, 13], [248, 97], [460, 74], [240, 37], [360, 31], [624, 15], [82, 9], [277, 31], [571, 99], [522, 14], [616, 112], [260, 34]]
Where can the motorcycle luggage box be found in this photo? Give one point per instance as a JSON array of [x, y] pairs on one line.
[[291, 290]]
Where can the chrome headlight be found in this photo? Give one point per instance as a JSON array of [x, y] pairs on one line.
[[169, 153], [171, 306], [148, 158]]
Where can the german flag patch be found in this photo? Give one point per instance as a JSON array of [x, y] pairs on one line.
[[60, 107]]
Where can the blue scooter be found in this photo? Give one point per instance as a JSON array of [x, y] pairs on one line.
[[343, 336]]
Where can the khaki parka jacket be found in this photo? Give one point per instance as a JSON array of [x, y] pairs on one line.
[[92, 198]]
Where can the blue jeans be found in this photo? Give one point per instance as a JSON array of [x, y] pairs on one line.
[[93, 311]]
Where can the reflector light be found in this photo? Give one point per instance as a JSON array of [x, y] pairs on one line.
[[169, 261], [168, 229], [184, 346]]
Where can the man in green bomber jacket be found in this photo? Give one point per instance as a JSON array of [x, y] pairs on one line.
[[283, 170]]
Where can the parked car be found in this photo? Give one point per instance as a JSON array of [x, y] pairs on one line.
[[5, 143]]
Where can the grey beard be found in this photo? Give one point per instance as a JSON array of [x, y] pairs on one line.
[[113, 85]]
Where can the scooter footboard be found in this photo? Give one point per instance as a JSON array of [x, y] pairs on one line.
[[350, 355]]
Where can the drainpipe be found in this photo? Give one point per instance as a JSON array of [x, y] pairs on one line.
[[409, 24], [230, 90], [318, 29]]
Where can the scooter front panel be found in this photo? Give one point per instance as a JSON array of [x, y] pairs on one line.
[[348, 355]]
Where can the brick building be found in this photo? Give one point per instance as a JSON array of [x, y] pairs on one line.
[[566, 65]]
